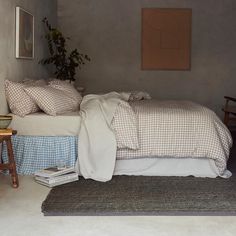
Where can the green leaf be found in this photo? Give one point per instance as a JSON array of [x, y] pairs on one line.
[[65, 64]]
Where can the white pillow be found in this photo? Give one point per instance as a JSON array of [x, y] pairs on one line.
[[52, 101], [67, 87], [19, 102], [139, 95]]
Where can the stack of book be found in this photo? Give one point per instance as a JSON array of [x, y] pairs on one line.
[[6, 131], [54, 176]]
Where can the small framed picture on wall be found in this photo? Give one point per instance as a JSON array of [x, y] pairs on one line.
[[24, 34]]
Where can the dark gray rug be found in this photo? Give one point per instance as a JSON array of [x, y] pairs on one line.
[[139, 195]]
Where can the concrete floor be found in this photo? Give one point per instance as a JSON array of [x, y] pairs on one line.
[[20, 215]]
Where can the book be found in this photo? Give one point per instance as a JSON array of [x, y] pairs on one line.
[[54, 171], [50, 185], [6, 131], [57, 179]]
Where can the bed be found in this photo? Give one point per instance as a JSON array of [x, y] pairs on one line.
[[43, 141]]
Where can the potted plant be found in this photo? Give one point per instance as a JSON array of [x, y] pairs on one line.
[[65, 63]]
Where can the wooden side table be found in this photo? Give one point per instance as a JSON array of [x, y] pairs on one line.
[[11, 165]]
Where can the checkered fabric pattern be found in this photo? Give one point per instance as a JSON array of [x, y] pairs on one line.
[[52, 101], [67, 87], [178, 129], [125, 119], [36, 153], [19, 101]]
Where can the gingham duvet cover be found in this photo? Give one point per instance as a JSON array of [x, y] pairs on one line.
[[176, 129]]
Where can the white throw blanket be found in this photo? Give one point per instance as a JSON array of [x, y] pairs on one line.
[[97, 142]]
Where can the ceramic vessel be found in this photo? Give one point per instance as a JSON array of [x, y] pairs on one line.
[[5, 121]]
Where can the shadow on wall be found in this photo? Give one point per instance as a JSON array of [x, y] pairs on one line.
[[17, 69], [3, 103]]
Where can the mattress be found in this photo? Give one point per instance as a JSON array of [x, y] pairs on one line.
[[41, 124]]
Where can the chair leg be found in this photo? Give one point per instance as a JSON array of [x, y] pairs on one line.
[[226, 118], [1, 150], [12, 170]]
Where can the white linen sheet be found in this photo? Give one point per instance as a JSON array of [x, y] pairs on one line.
[[41, 124], [97, 142], [161, 166]]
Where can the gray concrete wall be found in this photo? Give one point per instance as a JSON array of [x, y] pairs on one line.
[[109, 31], [17, 69]]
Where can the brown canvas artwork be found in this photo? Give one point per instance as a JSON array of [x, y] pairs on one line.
[[166, 39]]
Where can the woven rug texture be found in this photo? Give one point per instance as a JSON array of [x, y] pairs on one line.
[[140, 195]]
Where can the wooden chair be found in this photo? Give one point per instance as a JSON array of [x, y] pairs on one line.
[[229, 110]]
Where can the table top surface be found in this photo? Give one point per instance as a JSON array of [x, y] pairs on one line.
[[3, 136]]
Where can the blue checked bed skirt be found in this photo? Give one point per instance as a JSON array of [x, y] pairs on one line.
[[34, 153]]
